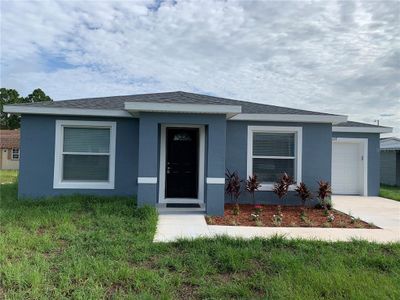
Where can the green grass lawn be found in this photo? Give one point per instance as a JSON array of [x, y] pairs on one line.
[[95, 248], [390, 192], [8, 176]]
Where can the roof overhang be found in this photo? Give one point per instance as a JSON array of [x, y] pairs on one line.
[[362, 129], [232, 112], [19, 109], [228, 110], [333, 119]]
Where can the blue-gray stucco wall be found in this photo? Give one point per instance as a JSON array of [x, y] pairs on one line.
[[316, 161], [373, 158], [226, 148], [37, 157]]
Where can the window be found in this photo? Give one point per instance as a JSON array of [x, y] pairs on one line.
[[273, 151], [15, 154], [84, 155]]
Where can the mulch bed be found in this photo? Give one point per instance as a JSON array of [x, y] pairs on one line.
[[313, 217]]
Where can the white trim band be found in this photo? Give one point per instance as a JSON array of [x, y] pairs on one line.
[[19, 109], [215, 180], [147, 180], [291, 118], [363, 129], [183, 108]]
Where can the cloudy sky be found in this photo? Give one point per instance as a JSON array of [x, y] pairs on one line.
[[340, 57]]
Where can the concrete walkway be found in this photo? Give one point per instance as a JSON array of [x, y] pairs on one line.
[[380, 211], [384, 213], [171, 227]]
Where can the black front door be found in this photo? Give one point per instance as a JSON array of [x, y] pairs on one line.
[[182, 163]]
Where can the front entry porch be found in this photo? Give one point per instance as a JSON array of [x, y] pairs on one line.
[[182, 162]]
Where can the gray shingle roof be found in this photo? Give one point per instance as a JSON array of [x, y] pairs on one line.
[[390, 143], [357, 124], [117, 102]]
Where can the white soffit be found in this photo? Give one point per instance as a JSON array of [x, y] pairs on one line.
[[362, 129], [229, 110], [19, 109], [335, 119]]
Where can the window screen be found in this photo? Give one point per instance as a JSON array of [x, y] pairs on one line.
[[86, 154], [273, 154]]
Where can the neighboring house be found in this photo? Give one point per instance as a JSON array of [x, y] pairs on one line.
[[390, 161], [9, 149], [175, 147]]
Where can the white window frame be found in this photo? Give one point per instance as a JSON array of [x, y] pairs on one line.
[[12, 154], [298, 131], [58, 183]]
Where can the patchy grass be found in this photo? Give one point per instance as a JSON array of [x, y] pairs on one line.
[[86, 247], [8, 176], [390, 192]]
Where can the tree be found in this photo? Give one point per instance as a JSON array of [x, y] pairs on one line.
[[37, 96], [11, 96]]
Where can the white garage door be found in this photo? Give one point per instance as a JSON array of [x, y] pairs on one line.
[[347, 168]]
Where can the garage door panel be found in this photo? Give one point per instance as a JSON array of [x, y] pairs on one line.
[[346, 168]]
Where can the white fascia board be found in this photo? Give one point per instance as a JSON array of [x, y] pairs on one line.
[[334, 119], [183, 108], [362, 129], [20, 109]]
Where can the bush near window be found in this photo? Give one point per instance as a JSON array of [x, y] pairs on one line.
[[252, 185], [324, 193], [233, 188], [303, 193], [281, 187]]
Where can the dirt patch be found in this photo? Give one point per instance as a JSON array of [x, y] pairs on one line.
[[286, 216]]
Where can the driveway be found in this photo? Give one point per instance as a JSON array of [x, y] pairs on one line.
[[384, 213]]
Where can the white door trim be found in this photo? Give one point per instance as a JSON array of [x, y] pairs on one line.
[[161, 192], [364, 143]]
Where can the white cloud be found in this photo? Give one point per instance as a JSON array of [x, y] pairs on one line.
[[339, 57]]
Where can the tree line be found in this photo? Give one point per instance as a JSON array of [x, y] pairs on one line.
[[11, 96]]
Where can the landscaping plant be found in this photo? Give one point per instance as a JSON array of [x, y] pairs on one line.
[[281, 187], [252, 186], [324, 193], [278, 217], [330, 218], [233, 188], [255, 216], [303, 192]]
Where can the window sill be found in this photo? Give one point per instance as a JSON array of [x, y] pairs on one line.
[[84, 185], [270, 187]]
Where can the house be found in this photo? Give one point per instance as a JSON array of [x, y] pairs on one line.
[[9, 149], [174, 148], [390, 161]]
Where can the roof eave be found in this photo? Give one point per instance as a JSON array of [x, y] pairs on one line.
[[228, 110], [304, 118], [362, 129], [19, 109]]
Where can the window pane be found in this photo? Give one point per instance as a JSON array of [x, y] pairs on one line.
[[85, 167], [273, 144], [96, 140], [270, 170]]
